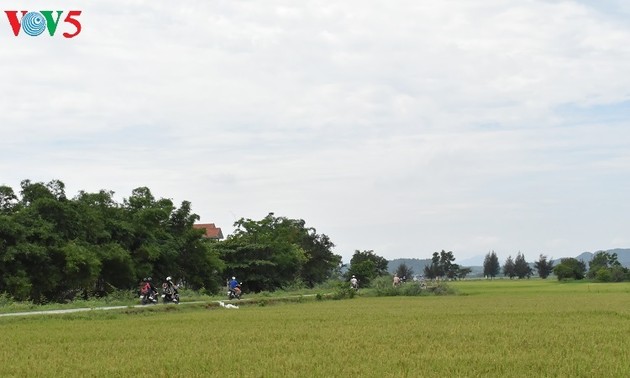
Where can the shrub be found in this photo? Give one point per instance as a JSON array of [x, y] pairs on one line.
[[343, 291], [603, 275]]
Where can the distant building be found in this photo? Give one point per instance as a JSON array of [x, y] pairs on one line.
[[211, 231]]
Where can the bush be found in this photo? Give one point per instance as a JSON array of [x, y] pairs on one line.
[[603, 275], [383, 288], [343, 291], [619, 274]]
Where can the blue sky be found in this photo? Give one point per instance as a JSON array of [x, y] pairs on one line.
[[404, 127]]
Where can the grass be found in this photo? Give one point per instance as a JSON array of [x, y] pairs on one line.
[[501, 328]]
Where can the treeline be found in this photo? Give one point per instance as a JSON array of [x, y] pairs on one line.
[[53, 247], [603, 267]]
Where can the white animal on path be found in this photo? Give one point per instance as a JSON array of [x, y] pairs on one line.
[[229, 305]]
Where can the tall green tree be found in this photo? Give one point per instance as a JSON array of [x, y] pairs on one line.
[[404, 271], [509, 269], [366, 265], [521, 266], [448, 266], [570, 268], [544, 266], [53, 247], [434, 270], [491, 267], [602, 259], [285, 249]]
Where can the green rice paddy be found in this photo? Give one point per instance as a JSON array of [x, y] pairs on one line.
[[502, 328]]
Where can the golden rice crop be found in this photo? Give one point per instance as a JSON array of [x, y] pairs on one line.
[[494, 329]]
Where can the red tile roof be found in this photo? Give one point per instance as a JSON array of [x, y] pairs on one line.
[[212, 231]]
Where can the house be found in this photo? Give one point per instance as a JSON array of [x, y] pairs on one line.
[[212, 231]]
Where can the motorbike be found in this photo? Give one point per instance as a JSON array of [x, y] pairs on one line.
[[235, 293], [149, 297], [169, 294]]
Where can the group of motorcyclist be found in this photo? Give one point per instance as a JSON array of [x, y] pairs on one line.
[[150, 294], [170, 291]]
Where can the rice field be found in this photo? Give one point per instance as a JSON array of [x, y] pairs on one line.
[[501, 328]]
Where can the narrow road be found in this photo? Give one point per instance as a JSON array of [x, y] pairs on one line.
[[71, 310]]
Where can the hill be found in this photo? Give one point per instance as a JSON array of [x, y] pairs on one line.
[[476, 263], [417, 265], [623, 255]]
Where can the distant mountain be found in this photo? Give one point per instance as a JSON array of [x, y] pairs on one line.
[[476, 262], [623, 256], [417, 265], [472, 261]]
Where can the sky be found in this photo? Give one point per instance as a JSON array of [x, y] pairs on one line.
[[403, 127]]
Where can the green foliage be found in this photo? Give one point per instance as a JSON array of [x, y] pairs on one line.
[[605, 267], [491, 267], [463, 272], [603, 275], [570, 268], [544, 266], [521, 267], [382, 287], [404, 271], [53, 247], [366, 266], [509, 269], [442, 265], [343, 291], [276, 252]]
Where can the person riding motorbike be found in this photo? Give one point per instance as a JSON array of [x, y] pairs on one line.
[[234, 288], [354, 283], [170, 291], [148, 292]]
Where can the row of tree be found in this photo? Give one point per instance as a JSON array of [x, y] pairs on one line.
[[604, 267], [53, 247]]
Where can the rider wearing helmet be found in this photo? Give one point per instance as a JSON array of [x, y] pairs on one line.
[[354, 283], [169, 288], [234, 286], [148, 290]]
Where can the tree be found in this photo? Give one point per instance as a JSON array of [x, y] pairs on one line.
[[8, 199], [509, 269], [53, 248], [294, 251], [434, 270], [366, 265], [442, 265], [601, 259], [570, 268], [404, 271], [521, 267], [544, 266], [491, 267], [448, 266], [463, 272]]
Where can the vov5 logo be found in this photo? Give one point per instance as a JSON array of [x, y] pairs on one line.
[[34, 23]]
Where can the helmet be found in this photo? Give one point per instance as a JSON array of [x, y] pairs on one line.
[[353, 276], [233, 278], [168, 278]]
